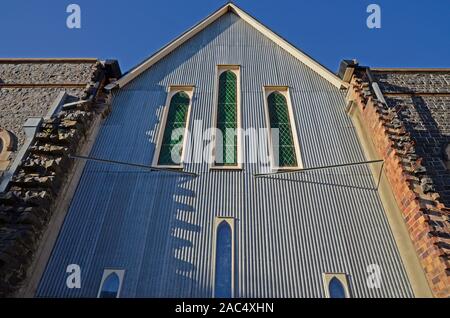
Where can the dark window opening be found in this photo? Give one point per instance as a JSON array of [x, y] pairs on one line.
[[336, 289], [110, 287], [223, 277]]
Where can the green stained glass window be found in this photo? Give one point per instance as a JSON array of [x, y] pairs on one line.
[[172, 143], [284, 148], [226, 154]]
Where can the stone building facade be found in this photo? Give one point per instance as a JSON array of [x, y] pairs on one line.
[[29, 87], [47, 108]]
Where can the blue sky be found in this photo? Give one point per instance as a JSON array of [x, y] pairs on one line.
[[413, 33]]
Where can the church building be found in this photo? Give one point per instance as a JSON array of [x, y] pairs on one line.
[[232, 164]]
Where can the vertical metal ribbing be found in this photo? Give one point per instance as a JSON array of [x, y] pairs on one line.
[[289, 229]]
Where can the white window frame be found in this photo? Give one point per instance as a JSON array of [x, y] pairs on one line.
[[171, 91], [236, 69], [284, 90], [119, 272], [342, 277], [217, 221]]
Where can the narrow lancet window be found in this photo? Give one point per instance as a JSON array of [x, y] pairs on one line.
[[336, 289], [110, 286], [336, 285], [223, 284], [171, 148], [284, 151], [226, 146]]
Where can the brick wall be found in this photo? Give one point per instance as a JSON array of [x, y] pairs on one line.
[[426, 217]]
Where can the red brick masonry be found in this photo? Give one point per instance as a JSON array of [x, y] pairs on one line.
[[426, 217]]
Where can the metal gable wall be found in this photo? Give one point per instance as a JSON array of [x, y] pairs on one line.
[[289, 229]]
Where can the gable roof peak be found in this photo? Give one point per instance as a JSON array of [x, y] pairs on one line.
[[230, 7]]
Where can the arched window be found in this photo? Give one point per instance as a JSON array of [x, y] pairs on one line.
[[336, 289], [110, 286], [226, 149], [171, 148], [224, 257], [283, 148]]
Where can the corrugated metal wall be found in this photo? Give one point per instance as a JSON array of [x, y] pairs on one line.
[[289, 230]]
